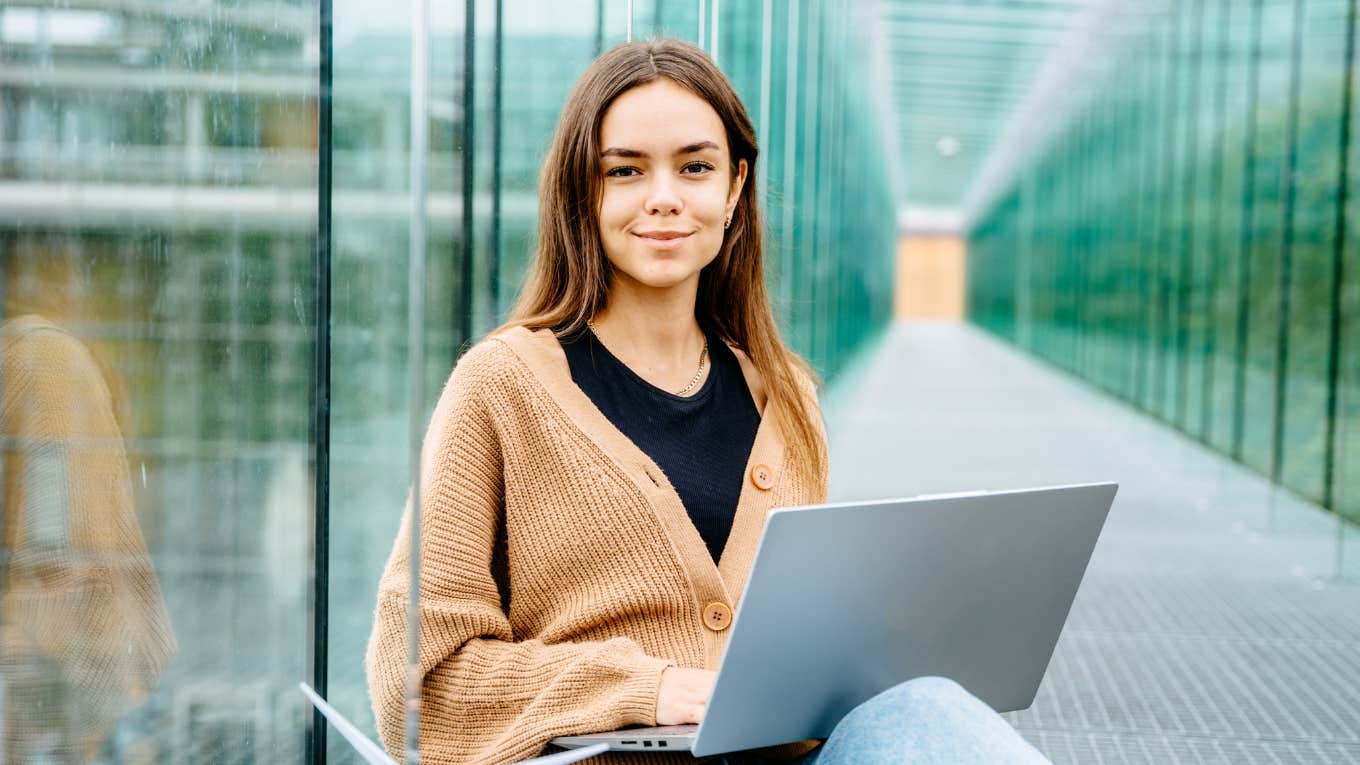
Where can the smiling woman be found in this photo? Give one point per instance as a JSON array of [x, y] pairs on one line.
[[597, 473], [650, 230]]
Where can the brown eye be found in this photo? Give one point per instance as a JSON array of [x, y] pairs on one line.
[[695, 168], [622, 172]]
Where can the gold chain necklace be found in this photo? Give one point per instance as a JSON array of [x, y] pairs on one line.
[[703, 359]]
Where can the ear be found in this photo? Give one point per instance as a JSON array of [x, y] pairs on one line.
[[738, 182]]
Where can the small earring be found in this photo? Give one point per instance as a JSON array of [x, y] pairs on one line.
[[727, 223]]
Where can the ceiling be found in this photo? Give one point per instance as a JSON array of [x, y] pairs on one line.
[[959, 70]]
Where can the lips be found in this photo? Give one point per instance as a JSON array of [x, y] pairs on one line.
[[663, 235]]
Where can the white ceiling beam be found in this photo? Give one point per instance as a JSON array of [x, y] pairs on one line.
[[272, 17]]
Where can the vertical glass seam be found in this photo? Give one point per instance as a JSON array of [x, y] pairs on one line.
[[790, 188], [1146, 231], [714, 16], [703, 28], [1162, 297], [497, 93], [766, 56], [820, 127], [462, 335], [599, 26], [1244, 272], [1185, 289], [315, 731], [1285, 277], [1218, 168], [415, 353], [1338, 274]]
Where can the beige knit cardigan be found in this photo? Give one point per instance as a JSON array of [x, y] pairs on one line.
[[560, 571]]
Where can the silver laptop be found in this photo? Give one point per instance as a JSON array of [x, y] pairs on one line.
[[847, 600]]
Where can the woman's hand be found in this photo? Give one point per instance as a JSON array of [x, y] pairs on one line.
[[683, 696]]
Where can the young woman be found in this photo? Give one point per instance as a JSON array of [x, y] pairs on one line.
[[597, 472]]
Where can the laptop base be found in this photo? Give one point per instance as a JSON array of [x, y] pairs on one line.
[[662, 738]]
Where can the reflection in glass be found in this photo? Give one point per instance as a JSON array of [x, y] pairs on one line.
[[84, 633]]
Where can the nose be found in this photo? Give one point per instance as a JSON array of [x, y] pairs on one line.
[[662, 198]]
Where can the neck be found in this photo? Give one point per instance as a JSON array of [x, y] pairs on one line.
[[652, 330]]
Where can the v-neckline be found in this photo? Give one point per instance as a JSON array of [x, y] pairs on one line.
[[712, 581]]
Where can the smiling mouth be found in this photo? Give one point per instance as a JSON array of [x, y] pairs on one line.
[[665, 236], [664, 241]]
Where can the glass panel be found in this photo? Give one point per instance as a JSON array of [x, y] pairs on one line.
[[1170, 249], [547, 46], [1198, 188], [158, 182], [1263, 293], [1160, 93], [660, 18], [1346, 478], [1233, 43], [370, 465], [1317, 149]]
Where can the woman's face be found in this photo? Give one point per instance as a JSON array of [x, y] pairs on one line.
[[668, 184]]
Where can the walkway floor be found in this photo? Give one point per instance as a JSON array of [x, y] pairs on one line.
[[1212, 625]]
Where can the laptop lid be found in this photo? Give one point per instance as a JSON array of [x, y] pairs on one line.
[[846, 600]]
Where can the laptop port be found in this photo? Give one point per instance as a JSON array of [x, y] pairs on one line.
[[646, 744], [628, 743], [661, 743]]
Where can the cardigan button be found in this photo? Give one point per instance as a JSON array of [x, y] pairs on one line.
[[717, 616], [763, 477]]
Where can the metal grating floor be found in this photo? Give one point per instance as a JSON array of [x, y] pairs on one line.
[[1213, 625]]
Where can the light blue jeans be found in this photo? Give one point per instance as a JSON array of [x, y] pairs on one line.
[[925, 720]]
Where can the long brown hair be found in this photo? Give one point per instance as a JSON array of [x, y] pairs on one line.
[[568, 282]]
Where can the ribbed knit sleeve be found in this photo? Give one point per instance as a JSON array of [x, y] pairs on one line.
[[489, 696]]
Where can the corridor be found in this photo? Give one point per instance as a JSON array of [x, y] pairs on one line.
[[1212, 626]]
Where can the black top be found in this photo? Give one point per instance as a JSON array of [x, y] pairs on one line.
[[701, 442]]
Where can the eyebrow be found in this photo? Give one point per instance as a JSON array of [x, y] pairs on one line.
[[693, 148]]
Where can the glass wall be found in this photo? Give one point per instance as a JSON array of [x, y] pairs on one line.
[[1189, 240], [158, 231], [206, 379]]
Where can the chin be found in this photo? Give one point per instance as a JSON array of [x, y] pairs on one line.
[[663, 273], [664, 280]]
